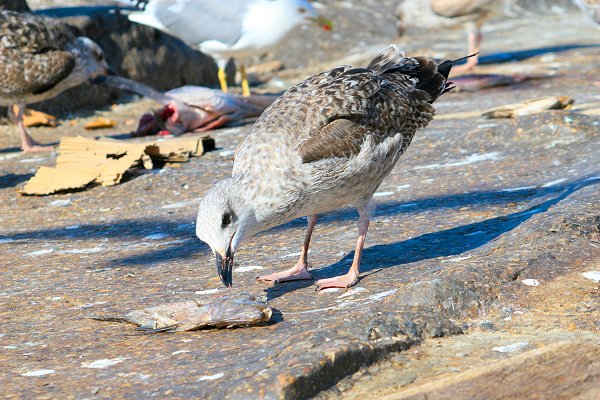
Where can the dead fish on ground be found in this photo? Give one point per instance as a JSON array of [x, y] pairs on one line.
[[233, 310]]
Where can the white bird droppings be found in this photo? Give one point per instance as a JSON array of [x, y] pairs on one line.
[[330, 290], [556, 182], [208, 291], [352, 292], [38, 372], [103, 363], [211, 377], [156, 236], [179, 352], [592, 275], [248, 268], [517, 189], [226, 153], [511, 348], [382, 295], [96, 249], [41, 252], [60, 203], [473, 158], [2, 241], [383, 194], [180, 204], [530, 282]]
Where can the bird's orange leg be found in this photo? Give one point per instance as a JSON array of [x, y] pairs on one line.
[[15, 113], [300, 270], [222, 79], [351, 278], [245, 84]]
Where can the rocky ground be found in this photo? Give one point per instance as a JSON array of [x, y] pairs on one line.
[[479, 263]]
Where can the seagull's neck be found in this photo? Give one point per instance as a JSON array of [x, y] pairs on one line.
[[266, 200]]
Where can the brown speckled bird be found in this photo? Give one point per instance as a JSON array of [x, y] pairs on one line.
[[40, 58], [325, 143], [431, 14]]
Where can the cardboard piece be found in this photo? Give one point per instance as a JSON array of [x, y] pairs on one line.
[[33, 118], [83, 161], [100, 123]]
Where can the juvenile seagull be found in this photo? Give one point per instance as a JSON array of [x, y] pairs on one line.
[[431, 14], [325, 143], [40, 58], [229, 29]]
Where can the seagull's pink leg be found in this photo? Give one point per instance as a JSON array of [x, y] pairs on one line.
[[475, 37], [350, 279], [300, 270], [15, 113]]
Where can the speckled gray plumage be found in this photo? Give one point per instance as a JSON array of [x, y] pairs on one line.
[[331, 140], [39, 58]]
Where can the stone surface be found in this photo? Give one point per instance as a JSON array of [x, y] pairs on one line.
[[558, 371], [473, 208]]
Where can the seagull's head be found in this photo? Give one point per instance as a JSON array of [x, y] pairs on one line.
[[305, 11], [225, 218], [300, 11], [92, 58]]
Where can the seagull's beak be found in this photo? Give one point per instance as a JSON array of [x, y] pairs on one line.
[[322, 21], [225, 266]]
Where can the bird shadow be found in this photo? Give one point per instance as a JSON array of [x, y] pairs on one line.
[[431, 245], [442, 243], [520, 55], [12, 180], [10, 150]]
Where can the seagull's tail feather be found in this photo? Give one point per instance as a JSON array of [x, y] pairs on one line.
[[389, 58], [429, 76]]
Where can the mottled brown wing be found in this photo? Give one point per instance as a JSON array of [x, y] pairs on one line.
[[340, 138], [32, 33], [360, 103], [34, 56]]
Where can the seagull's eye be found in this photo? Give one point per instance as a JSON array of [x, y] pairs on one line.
[[226, 220], [302, 10]]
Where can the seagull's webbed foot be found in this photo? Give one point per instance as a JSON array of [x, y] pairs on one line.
[[298, 272], [36, 148], [342, 281]]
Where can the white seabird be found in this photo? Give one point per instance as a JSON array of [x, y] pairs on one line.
[[229, 29], [325, 143]]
